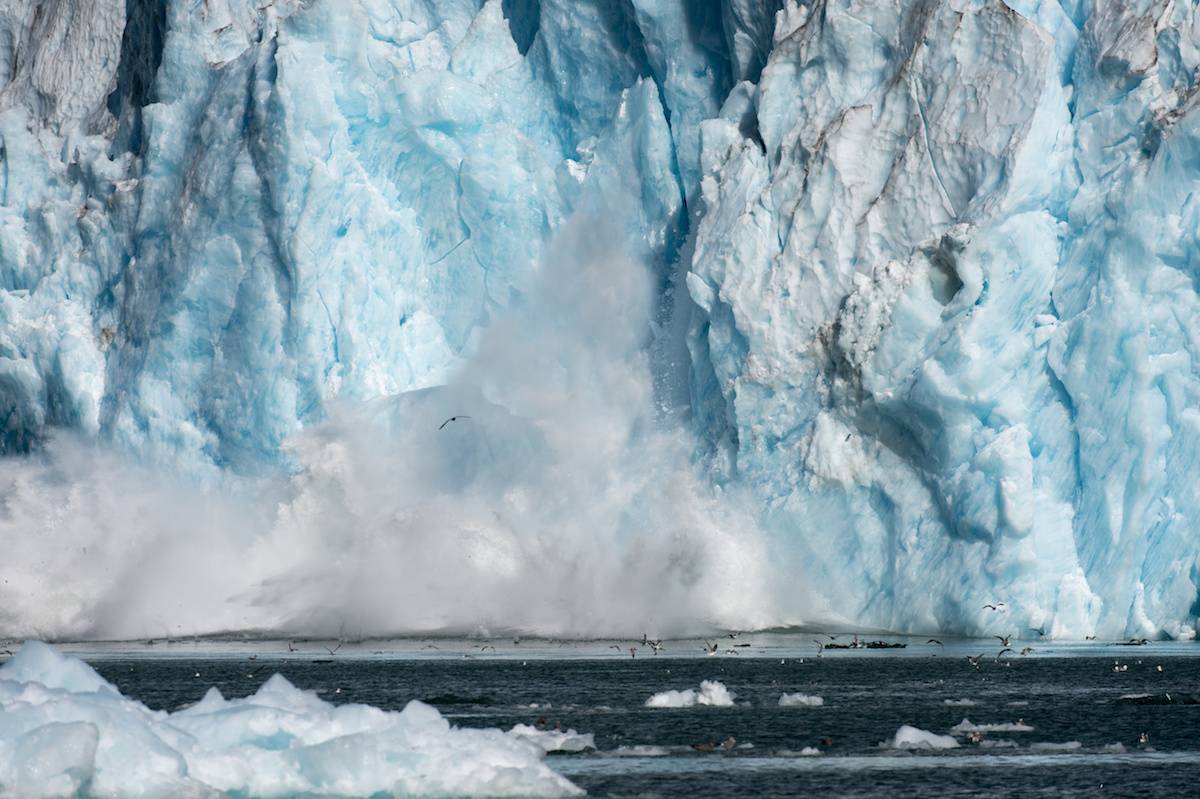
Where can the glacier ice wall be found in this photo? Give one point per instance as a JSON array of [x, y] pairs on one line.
[[898, 298]]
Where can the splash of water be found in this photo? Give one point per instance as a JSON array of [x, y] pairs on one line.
[[559, 503]]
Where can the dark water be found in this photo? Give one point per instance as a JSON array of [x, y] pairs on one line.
[[866, 699]]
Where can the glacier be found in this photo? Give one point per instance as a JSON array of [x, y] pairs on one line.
[[763, 313]]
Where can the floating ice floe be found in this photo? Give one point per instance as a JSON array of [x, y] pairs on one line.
[[908, 737], [711, 693], [65, 730], [1013, 726], [641, 750], [555, 740], [800, 700], [1050, 746], [959, 702], [808, 751]]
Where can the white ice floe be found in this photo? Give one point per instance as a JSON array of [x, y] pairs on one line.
[[641, 751], [1012, 726], [64, 730], [959, 702], [908, 737], [1050, 746], [800, 700], [808, 751], [711, 693], [998, 743], [554, 740]]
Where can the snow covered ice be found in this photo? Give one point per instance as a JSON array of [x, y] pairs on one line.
[[64, 730], [881, 311]]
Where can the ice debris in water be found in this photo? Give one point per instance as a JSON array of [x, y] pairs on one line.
[[800, 700], [65, 730], [959, 702], [1051, 746], [555, 740], [711, 693], [966, 726], [908, 737]]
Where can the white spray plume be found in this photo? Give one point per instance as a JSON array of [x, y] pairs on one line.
[[561, 506]]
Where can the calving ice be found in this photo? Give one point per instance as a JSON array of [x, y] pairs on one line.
[[752, 314]]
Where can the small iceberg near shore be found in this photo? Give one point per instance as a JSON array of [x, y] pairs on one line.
[[65, 731]]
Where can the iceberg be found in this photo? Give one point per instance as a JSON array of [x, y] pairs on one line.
[[866, 314], [64, 731], [711, 694]]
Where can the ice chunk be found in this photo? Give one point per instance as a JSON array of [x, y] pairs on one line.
[[1015, 726], [555, 740], [800, 700], [908, 737], [711, 693], [1050, 746], [62, 728]]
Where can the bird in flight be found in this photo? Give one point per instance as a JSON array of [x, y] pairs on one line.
[[452, 419], [935, 641], [1003, 639], [996, 606]]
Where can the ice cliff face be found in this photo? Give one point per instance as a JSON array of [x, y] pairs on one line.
[[920, 278]]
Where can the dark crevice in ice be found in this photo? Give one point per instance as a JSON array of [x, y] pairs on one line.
[[524, 18], [141, 55]]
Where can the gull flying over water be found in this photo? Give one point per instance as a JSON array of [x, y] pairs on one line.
[[458, 418]]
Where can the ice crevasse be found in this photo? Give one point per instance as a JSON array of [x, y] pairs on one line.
[[920, 279]]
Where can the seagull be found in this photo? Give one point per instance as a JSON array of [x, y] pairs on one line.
[[633, 651], [1089, 638], [336, 648], [974, 661], [1026, 650], [1144, 738], [614, 646], [996, 606], [656, 646], [935, 641], [1003, 639], [1002, 651], [710, 649], [820, 647], [730, 651], [291, 647], [452, 419]]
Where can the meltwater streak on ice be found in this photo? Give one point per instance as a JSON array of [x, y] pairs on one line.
[[557, 503]]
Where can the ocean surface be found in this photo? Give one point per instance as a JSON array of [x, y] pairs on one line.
[[1105, 719]]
